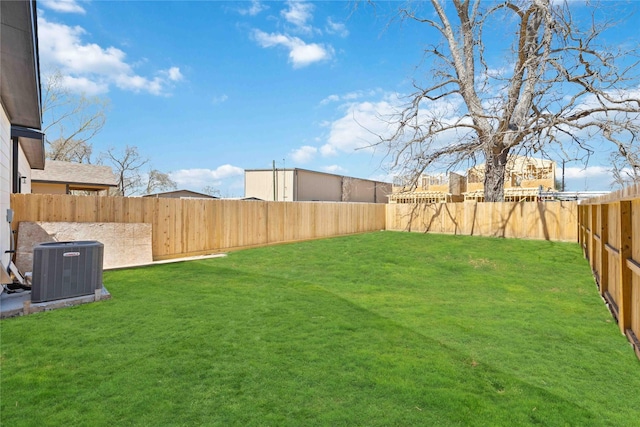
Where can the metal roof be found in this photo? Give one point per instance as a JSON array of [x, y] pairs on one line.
[[312, 171]]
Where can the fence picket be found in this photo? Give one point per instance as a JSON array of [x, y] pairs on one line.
[[610, 236]]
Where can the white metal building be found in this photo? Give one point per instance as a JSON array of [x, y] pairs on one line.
[[297, 185]]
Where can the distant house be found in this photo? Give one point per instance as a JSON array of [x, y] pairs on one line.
[[524, 177], [64, 177], [440, 188], [21, 139], [181, 194], [298, 185]]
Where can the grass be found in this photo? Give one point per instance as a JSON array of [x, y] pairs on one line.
[[376, 329]]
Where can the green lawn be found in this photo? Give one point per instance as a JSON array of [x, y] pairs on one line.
[[386, 328]]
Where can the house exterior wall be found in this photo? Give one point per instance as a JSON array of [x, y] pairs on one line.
[[457, 183], [451, 183], [46, 188], [6, 182], [25, 171], [527, 177], [442, 188], [5, 185], [475, 186], [534, 183]]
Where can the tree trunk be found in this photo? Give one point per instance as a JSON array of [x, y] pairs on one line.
[[494, 176]]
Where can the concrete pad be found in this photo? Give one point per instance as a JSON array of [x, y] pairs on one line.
[[19, 303]]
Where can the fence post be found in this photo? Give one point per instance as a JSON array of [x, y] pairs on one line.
[[604, 256], [586, 221], [593, 221], [626, 237], [582, 229]]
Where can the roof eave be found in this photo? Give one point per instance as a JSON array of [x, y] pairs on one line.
[[20, 77], [32, 143], [73, 184]]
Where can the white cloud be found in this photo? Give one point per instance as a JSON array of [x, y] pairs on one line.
[[199, 178], [586, 172], [591, 178], [359, 127], [299, 13], [351, 96], [304, 154], [329, 99], [64, 6], [328, 150], [174, 74], [91, 68], [301, 54], [219, 99], [336, 28], [253, 10], [84, 85]]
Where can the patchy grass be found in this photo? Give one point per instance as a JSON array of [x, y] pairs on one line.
[[377, 329]]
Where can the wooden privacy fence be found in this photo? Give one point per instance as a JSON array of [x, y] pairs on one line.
[[610, 237], [531, 220], [183, 227]]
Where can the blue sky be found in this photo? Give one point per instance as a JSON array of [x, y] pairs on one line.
[[206, 89]]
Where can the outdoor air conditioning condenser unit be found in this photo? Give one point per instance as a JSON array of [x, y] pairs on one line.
[[66, 270]]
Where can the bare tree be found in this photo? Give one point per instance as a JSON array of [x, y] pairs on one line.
[[127, 165], [211, 191], [159, 181], [70, 120], [561, 90], [69, 150], [625, 166]]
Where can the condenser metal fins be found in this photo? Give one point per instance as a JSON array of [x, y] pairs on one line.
[[66, 270]]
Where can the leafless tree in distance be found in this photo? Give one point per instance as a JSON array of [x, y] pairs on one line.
[[159, 181], [70, 120], [211, 191], [127, 164]]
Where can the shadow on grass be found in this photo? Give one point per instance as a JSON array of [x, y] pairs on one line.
[[472, 392]]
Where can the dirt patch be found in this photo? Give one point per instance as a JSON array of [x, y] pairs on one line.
[[481, 262]]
